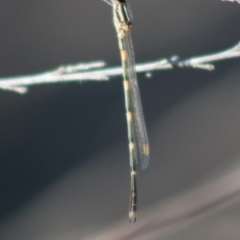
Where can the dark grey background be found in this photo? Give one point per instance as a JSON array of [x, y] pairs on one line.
[[76, 133]]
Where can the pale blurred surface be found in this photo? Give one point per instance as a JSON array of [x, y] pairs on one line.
[[64, 171]]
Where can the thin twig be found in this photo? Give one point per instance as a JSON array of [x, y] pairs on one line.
[[94, 71], [171, 215], [238, 1]]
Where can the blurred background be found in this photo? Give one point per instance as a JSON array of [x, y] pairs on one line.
[[64, 170]]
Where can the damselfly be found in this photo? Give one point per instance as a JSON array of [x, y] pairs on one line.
[[137, 135]]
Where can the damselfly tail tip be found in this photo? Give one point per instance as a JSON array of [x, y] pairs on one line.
[[132, 217]]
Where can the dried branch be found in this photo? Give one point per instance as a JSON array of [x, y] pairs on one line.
[[92, 72], [238, 1], [172, 215]]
